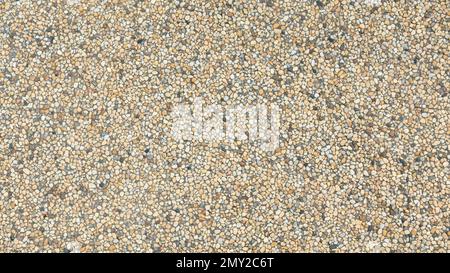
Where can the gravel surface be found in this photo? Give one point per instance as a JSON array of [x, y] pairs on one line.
[[89, 161]]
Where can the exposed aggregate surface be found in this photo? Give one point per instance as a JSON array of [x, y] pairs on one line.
[[88, 164]]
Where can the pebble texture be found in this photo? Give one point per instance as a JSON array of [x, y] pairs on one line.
[[87, 162]]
